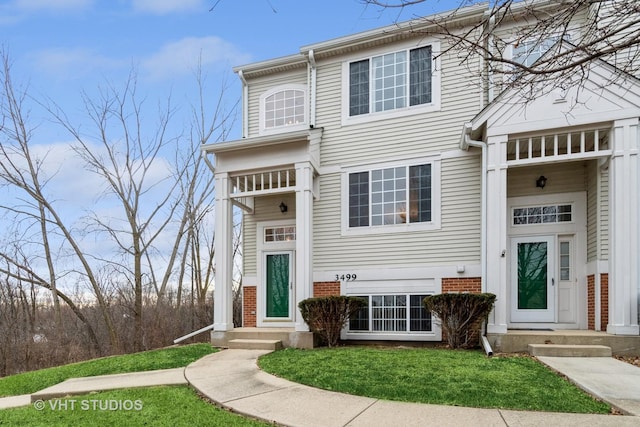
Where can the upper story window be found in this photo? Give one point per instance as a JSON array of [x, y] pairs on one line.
[[529, 51], [393, 197], [283, 107], [391, 82]]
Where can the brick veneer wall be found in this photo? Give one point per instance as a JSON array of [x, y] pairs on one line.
[[591, 302], [249, 306], [326, 289], [462, 284], [604, 301]]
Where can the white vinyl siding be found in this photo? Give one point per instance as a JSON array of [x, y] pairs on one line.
[[407, 135], [457, 241], [258, 87], [561, 178]]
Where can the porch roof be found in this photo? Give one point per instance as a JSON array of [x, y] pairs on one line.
[[605, 95], [266, 152]]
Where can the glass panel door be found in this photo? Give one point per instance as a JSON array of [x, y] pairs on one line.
[[532, 279], [278, 276]]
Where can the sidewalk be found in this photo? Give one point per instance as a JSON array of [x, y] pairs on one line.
[[232, 379]]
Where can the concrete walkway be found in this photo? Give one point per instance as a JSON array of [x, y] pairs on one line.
[[232, 379]]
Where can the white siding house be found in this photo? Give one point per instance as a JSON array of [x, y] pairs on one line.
[[379, 165]]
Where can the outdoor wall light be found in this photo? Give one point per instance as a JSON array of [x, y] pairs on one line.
[[283, 207], [541, 182]]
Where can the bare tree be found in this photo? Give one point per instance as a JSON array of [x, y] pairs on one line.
[[20, 170], [549, 42]]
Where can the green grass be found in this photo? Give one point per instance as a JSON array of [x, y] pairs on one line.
[[153, 406], [172, 357], [437, 376]]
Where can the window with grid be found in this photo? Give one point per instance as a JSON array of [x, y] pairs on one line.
[[284, 108], [548, 214], [389, 196], [392, 313], [392, 81]]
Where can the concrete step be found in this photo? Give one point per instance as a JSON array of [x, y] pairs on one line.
[[255, 344], [569, 350]]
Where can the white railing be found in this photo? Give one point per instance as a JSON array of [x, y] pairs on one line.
[[561, 146], [258, 183]]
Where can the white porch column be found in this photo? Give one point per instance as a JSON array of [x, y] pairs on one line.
[[223, 292], [304, 239], [497, 223], [624, 261]]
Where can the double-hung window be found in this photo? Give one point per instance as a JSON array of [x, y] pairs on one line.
[[392, 81], [390, 196]]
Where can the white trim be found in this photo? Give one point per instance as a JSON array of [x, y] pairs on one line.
[[262, 249], [286, 128], [436, 207], [434, 105]]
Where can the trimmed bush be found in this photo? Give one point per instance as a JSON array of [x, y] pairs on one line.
[[326, 316], [460, 316]]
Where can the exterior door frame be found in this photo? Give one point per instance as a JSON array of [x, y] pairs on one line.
[[263, 249], [576, 231]]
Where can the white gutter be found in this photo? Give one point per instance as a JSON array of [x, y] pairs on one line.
[[312, 89], [245, 104]]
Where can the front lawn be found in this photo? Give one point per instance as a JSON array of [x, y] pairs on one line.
[[153, 406], [437, 376], [165, 358]]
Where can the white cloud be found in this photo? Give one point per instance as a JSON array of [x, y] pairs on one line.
[[182, 57], [163, 7], [72, 63], [52, 5]]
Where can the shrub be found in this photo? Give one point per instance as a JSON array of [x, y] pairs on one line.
[[326, 316], [460, 316]]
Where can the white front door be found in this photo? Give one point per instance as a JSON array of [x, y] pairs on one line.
[[533, 281]]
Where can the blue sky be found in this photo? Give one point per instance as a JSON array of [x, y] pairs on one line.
[[60, 48], [63, 46]]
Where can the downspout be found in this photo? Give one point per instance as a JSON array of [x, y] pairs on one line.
[[312, 89], [468, 142], [245, 105], [488, 30]]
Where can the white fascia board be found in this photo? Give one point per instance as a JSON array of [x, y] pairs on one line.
[[260, 141], [390, 31]]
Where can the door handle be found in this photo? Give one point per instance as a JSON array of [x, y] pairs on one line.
[[553, 281]]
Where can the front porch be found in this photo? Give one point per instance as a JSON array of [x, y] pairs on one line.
[[517, 341]]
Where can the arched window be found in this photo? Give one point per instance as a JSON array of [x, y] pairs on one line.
[[283, 107]]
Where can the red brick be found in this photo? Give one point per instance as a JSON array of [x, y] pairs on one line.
[[326, 289], [249, 306]]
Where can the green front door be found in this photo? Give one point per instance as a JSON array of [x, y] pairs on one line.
[[532, 279], [278, 285]]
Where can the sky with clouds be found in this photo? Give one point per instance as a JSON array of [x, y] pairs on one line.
[[60, 48]]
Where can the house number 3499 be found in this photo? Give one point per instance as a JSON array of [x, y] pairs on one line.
[[346, 277]]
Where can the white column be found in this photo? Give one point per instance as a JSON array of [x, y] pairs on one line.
[[624, 216], [223, 292], [304, 239], [497, 223]]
